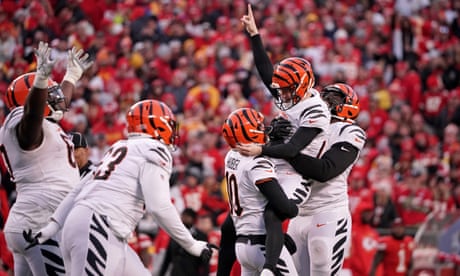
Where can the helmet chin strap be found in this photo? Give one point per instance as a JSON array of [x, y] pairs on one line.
[[343, 119], [56, 115]]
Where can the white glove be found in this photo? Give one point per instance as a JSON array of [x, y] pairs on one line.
[[197, 248], [48, 231], [44, 65], [77, 62]]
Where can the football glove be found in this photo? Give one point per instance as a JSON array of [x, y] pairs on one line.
[[44, 65], [42, 236], [279, 129], [206, 253], [77, 62]]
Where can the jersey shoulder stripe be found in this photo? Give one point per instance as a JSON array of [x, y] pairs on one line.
[[311, 109], [162, 153], [13, 114], [353, 129]]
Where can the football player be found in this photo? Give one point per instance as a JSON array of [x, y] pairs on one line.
[[322, 229], [252, 185], [39, 156], [291, 84], [133, 177]]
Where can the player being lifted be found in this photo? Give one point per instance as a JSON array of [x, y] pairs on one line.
[[133, 178], [39, 156], [251, 185], [322, 229]]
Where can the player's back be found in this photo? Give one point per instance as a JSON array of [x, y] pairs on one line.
[[310, 112], [334, 192], [247, 203], [43, 176], [114, 190]]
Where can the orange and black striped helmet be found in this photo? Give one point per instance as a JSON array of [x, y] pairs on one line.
[[154, 118], [342, 100], [292, 77], [19, 88], [244, 126]]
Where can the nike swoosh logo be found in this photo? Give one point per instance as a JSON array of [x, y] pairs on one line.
[[270, 171], [320, 224], [342, 148]]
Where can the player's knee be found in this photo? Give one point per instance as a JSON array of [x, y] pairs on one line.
[[319, 252]]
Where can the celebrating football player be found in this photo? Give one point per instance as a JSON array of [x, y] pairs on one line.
[[252, 185], [39, 156], [133, 177]]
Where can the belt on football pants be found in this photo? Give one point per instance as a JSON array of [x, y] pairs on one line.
[[252, 239]]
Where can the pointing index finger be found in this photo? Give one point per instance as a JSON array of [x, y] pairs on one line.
[[249, 10]]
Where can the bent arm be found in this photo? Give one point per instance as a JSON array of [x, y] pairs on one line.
[[301, 138], [278, 201], [334, 162], [154, 183]]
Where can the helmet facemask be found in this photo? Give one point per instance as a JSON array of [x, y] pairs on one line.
[[56, 103], [284, 104]]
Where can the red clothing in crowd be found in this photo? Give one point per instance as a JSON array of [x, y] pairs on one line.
[[413, 206], [398, 255], [193, 197]]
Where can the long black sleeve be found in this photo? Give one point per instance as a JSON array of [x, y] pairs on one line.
[[275, 238], [334, 161], [227, 255], [281, 205], [262, 62], [301, 138]]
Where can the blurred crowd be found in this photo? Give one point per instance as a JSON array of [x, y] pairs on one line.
[[402, 57]]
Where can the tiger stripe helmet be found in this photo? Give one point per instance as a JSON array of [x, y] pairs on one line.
[[293, 76], [342, 100], [19, 88], [244, 126], [153, 118]]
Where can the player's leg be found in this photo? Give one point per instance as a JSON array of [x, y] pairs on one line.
[[21, 267], [132, 263], [298, 230], [327, 241], [44, 259], [285, 263], [251, 257], [85, 238]]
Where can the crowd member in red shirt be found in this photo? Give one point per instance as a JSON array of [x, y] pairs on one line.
[[110, 125], [394, 252], [363, 241], [414, 200]]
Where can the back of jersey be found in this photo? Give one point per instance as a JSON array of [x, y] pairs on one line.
[[43, 176], [247, 203], [334, 193], [310, 112], [114, 190]]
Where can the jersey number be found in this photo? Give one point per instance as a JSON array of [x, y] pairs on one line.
[[112, 158], [232, 192]]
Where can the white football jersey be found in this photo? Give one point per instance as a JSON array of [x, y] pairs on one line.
[[247, 203], [333, 194], [43, 176], [310, 112], [115, 191]]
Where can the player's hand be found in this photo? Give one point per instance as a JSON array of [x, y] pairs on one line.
[[206, 253], [77, 62], [249, 22], [249, 149], [31, 239], [44, 63], [279, 129]]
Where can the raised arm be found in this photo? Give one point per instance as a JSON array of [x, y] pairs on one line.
[[29, 131], [261, 59], [77, 63]]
